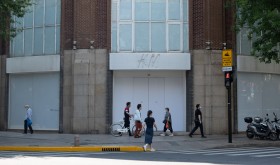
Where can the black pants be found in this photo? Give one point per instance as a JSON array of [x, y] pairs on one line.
[[200, 125], [127, 125], [25, 127], [170, 127]]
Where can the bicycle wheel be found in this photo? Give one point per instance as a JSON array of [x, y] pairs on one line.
[[114, 129], [133, 130]]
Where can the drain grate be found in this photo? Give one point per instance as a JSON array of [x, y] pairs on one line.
[[111, 149]]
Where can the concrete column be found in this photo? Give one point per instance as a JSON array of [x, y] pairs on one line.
[[85, 86], [209, 90]]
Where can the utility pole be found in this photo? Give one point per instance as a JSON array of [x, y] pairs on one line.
[[227, 68]]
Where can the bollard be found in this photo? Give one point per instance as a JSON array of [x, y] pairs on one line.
[[77, 141]]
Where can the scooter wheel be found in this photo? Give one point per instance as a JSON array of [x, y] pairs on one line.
[[273, 136], [250, 134]]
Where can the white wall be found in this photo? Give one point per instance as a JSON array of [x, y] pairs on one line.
[[258, 94], [155, 91], [41, 91]]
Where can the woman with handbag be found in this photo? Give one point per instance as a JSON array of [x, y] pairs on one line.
[[167, 123]]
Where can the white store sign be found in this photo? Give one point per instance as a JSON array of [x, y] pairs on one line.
[[150, 61]]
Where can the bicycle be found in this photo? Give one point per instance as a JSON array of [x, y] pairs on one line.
[[117, 129]]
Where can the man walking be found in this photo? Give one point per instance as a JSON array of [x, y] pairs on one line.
[[28, 121], [127, 116], [198, 121]]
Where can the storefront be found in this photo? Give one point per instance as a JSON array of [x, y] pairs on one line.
[[156, 86]]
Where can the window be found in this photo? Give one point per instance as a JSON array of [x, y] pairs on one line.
[[40, 33], [150, 26]]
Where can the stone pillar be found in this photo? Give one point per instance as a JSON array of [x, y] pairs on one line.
[[209, 90], [3, 94], [85, 88]]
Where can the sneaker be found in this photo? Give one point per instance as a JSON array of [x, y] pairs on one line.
[[203, 137], [145, 147], [163, 134], [171, 134], [153, 150], [190, 135]]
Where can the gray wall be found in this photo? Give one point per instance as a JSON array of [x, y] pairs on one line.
[[84, 91]]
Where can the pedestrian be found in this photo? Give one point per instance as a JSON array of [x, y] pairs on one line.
[[198, 121], [150, 123], [127, 117], [28, 119], [167, 123], [138, 121]]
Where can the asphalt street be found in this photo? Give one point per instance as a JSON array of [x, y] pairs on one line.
[[231, 156]]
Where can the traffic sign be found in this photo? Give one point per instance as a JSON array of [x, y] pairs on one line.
[[227, 58], [227, 69]]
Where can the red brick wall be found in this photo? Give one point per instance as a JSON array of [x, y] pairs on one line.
[[85, 21], [210, 21]]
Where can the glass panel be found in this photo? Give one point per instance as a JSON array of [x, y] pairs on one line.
[[18, 44], [114, 37], [28, 40], [58, 40], [19, 23], [185, 10], [28, 18], [50, 40], [158, 37], [142, 37], [125, 37], [174, 37], [245, 42], [142, 10], [58, 12], [174, 9], [38, 41], [158, 10], [125, 9], [186, 37], [50, 12], [39, 13]]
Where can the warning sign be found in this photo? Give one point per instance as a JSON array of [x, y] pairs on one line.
[[227, 58]]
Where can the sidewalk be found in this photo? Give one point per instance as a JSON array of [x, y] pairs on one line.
[[175, 143]]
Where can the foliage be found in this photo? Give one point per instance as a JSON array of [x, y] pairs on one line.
[[8, 9], [262, 17]]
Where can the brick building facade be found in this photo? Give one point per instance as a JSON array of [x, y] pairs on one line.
[[90, 37]]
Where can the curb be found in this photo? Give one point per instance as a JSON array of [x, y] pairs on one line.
[[74, 149]]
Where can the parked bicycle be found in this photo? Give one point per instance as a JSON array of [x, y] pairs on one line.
[[118, 129]]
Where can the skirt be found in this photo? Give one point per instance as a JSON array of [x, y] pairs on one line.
[[149, 136]]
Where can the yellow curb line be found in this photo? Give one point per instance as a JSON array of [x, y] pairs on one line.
[[73, 149]]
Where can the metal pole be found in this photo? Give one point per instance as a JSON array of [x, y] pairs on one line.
[[229, 115]]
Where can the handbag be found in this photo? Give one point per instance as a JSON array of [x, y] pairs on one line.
[[29, 122], [167, 125]]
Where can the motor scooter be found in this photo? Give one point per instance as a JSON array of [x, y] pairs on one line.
[[260, 129]]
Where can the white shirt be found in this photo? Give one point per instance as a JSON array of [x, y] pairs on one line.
[[29, 113], [137, 115]]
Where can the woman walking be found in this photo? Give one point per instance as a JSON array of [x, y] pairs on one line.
[[150, 123], [167, 123]]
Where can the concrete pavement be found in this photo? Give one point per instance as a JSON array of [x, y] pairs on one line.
[[105, 142]]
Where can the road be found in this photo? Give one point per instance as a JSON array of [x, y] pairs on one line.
[[232, 156]]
